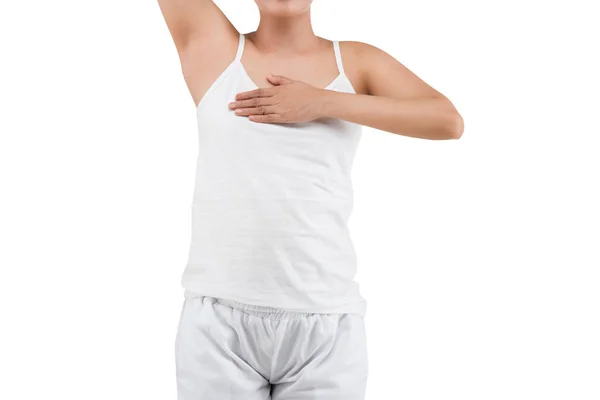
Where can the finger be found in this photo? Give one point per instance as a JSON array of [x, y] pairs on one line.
[[267, 118], [254, 102], [262, 110], [260, 92], [279, 79]]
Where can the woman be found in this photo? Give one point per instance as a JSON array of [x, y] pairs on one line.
[[271, 308]]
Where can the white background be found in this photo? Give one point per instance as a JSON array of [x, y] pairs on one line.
[[479, 258]]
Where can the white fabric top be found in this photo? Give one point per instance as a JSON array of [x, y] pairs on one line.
[[271, 205]]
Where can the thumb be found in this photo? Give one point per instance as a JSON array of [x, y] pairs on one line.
[[278, 79]]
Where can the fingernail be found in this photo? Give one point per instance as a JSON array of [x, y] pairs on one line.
[[238, 111]]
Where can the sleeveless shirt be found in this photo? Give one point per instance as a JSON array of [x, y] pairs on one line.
[[271, 205]]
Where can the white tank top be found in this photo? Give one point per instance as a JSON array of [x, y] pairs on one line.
[[271, 205]]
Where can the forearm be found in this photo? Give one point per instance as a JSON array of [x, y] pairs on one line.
[[426, 118]]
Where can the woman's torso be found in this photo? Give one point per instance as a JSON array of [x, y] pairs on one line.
[[271, 205]]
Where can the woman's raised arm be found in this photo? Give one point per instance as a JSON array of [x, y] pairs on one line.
[[196, 21], [205, 39]]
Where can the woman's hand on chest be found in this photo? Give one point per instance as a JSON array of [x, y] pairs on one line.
[[289, 101]]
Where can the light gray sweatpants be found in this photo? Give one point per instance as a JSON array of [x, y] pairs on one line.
[[231, 351]]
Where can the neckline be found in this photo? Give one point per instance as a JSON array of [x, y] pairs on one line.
[[336, 52], [249, 79]]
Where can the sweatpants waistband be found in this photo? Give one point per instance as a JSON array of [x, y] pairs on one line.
[[258, 311]]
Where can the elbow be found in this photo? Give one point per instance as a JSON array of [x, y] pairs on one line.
[[456, 126], [449, 122]]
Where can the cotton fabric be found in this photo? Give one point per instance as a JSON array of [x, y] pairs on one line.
[[231, 351], [271, 205]]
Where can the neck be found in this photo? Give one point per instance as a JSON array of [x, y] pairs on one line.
[[285, 33]]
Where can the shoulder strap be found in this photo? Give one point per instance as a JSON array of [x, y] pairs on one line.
[[338, 56], [240, 49]]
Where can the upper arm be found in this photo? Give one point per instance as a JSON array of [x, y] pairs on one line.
[[196, 21], [380, 74]]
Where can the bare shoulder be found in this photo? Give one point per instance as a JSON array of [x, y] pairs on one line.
[[358, 58], [361, 49], [375, 71]]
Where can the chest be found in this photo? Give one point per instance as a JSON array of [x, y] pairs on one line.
[[223, 135]]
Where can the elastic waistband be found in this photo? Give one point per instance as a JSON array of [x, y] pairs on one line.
[[258, 311]]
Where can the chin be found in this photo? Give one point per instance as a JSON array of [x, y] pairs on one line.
[[284, 8]]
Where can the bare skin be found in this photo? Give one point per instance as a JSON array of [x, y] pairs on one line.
[[291, 68]]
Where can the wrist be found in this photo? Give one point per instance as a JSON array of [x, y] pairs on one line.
[[325, 103]]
